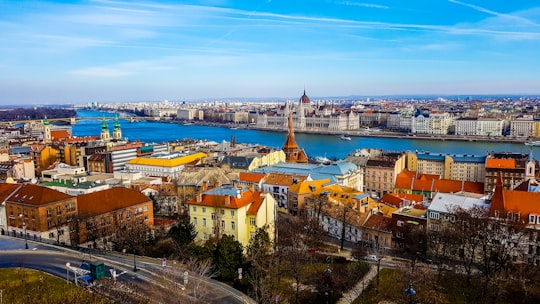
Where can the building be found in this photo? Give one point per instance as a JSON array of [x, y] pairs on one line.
[[306, 116], [381, 173], [488, 127], [232, 211], [434, 122], [458, 167], [278, 184], [513, 167], [168, 165], [102, 213], [293, 154], [522, 127], [43, 156], [444, 206], [40, 212]]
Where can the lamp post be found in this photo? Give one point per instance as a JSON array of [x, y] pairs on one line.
[[134, 262], [410, 292], [21, 216]]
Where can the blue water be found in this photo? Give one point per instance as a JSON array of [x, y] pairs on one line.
[[314, 145]]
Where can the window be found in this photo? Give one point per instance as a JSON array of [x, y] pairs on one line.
[[433, 215], [222, 212], [213, 216], [194, 208], [399, 223], [222, 224], [204, 222], [233, 225], [204, 210], [232, 212], [252, 235], [252, 222], [532, 218], [205, 236], [145, 208], [195, 221]]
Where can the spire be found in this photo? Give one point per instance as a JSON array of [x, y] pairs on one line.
[[104, 125], [45, 121], [290, 147], [116, 123]]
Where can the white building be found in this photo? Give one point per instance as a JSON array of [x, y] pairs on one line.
[[522, 126], [163, 164]]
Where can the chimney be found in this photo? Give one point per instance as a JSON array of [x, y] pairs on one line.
[[199, 197], [227, 200], [204, 186], [217, 184], [251, 187]]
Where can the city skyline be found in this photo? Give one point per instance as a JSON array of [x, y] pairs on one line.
[[110, 51]]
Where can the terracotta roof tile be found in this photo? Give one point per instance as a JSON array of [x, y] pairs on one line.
[[59, 134], [251, 177], [109, 200], [226, 201], [283, 179], [379, 222], [37, 195], [257, 203], [6, 190], [500, 163]]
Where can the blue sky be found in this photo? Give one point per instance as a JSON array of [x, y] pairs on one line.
[[107, 51]]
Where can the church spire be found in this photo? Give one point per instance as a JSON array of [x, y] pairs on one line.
[[104, 130], [293, 153], [117, 132]]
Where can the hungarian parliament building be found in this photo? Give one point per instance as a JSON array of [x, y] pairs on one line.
[[307, 116]]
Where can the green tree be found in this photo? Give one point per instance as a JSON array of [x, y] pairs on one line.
[[258, 264], [183, 233], [228, 257]]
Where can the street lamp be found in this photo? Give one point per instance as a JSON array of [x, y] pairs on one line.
[[410, 292], [21, 216], [134, 262]]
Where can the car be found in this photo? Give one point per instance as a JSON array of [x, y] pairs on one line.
[[372, 257]]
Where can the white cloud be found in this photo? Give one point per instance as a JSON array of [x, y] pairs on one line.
[[362, 4]]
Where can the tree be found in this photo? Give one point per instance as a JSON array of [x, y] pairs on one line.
[[183, 233], [133, 235], [228, 257], [258, 264]]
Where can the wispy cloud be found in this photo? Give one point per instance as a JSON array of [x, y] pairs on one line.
[[362, 4], [494, 13]]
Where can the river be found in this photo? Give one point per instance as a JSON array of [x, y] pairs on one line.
[[315, 145]]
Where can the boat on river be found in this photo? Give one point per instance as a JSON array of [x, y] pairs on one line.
[[344, 137], [535, 143]]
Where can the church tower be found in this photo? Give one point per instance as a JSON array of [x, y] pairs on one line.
[[293, 154], [117, 132], [47, 137], [105, 135]]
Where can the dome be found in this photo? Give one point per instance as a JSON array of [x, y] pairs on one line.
[[305, 98]]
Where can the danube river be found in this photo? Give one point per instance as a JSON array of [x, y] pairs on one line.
[[314, 145]]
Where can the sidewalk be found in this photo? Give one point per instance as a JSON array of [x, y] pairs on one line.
[[357, 290]]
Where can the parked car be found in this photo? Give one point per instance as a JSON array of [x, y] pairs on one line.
[[372, 257]]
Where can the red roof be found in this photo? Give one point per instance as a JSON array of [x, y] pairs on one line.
[[251, 177], [254, 208], [109, 200], [379, 222], [232, 202], [432, 183], [498, 163], [31, 194], [59, 134], [6, 190]]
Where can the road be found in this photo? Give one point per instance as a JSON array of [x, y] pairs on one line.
[[150, 277]]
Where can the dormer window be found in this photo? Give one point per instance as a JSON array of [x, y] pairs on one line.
[[532, 218]]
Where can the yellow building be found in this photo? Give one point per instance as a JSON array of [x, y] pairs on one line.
[[381, 173], [232, 211], [165, 165], [43, 157]]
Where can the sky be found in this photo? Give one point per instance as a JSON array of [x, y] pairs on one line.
[[118, 51]]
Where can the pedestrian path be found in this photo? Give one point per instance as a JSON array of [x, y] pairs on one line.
[[357, 290]]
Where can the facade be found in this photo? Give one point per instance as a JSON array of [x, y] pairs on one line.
[[43, 156], [513, 167], [309, 117], [431, 123], [381, 173], [458, 167], [442, 208], [40, 212], [102, 213], [522, 127], [168, 165], [278, 184], [489, 127], [232, 211]]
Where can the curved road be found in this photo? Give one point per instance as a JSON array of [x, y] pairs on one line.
[[150, 277]]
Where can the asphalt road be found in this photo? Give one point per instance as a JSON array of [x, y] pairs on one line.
[[150, 277]]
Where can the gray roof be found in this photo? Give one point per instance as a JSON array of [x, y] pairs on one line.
[[445, 202]]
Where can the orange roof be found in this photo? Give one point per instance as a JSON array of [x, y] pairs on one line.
[[282, 179], [31, 194], [226, 201], [379, 222], [59, 134], [411, 197], [251, 177], [391, 199], [500, 163], [254, 208], [109, 200], [521, 201], [432, 183], [6, 190]]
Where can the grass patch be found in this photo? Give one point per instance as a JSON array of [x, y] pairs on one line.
[[31, 286]]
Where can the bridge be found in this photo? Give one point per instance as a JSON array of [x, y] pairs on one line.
[[73, 120]]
